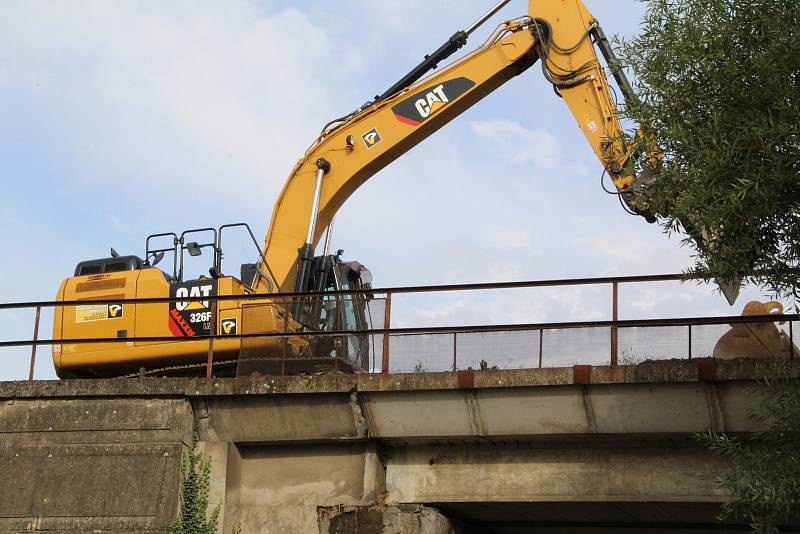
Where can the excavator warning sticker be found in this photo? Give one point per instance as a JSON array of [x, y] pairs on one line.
[[228, 326], [371, 138], [415, 109], [98, 312], [590, 123], [191, 317]]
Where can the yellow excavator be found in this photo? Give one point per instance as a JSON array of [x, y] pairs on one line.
[[562, 35]]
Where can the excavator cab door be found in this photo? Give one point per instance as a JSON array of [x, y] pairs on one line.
[[337, 312], [353, 310]]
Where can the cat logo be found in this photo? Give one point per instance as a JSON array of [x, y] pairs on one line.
[[114, 311], [190, 312], [371, 138], [418, 107], [228, 326], [431, 101], [193, 290]]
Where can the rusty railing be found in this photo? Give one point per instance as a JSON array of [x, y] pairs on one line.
[[614, 325]]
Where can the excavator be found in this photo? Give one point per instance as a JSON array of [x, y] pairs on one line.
[[561, 35]]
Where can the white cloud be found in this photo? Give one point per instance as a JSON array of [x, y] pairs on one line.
[[228, 88], [501, 270], [118, 224], [519, 306], [632, 253], [444, 312], [524, 145], [507, 238]]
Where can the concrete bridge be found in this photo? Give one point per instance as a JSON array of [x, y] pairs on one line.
[[583, 449]]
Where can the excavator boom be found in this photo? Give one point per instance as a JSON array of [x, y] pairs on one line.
[[559, 34]]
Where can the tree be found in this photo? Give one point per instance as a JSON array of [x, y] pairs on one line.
[[764, 482], [719, 100], [719, 89]]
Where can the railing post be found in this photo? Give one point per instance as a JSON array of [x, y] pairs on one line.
[[455, 351], [614, 318], [35, 338], [387, 323], [690, 342], [337, 354], [541, 344], [212, 332], [285, 351]]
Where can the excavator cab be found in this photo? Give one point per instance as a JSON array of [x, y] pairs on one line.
[[339, 312], [328, 308]]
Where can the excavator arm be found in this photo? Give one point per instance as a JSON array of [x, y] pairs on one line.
[[560, 34]]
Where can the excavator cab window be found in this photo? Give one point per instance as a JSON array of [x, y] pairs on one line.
[[332, 313], [353, 310]]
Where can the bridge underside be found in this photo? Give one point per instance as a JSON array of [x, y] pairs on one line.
[[595, 518], [551, 450]]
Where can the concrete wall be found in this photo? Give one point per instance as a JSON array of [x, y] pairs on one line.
[[337, 452], [90, 464]]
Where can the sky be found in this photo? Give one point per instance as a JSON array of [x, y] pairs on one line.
[[123, 119]]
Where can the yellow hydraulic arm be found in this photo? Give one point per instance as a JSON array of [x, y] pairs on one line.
[[562, 34]]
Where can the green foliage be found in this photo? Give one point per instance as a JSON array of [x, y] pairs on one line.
[[485, 366], [195, 477], [719, 83], [764, 482]]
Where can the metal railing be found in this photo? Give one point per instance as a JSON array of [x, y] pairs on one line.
[[614, 326]]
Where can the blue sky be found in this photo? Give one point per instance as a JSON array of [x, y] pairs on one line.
[[122, 119]]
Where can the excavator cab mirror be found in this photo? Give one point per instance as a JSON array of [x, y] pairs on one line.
[[193, 249]]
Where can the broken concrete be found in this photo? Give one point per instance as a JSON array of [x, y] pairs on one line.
[[384, 519]]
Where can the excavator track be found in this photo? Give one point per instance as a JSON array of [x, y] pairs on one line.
[[188, 368], [194, 370]]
